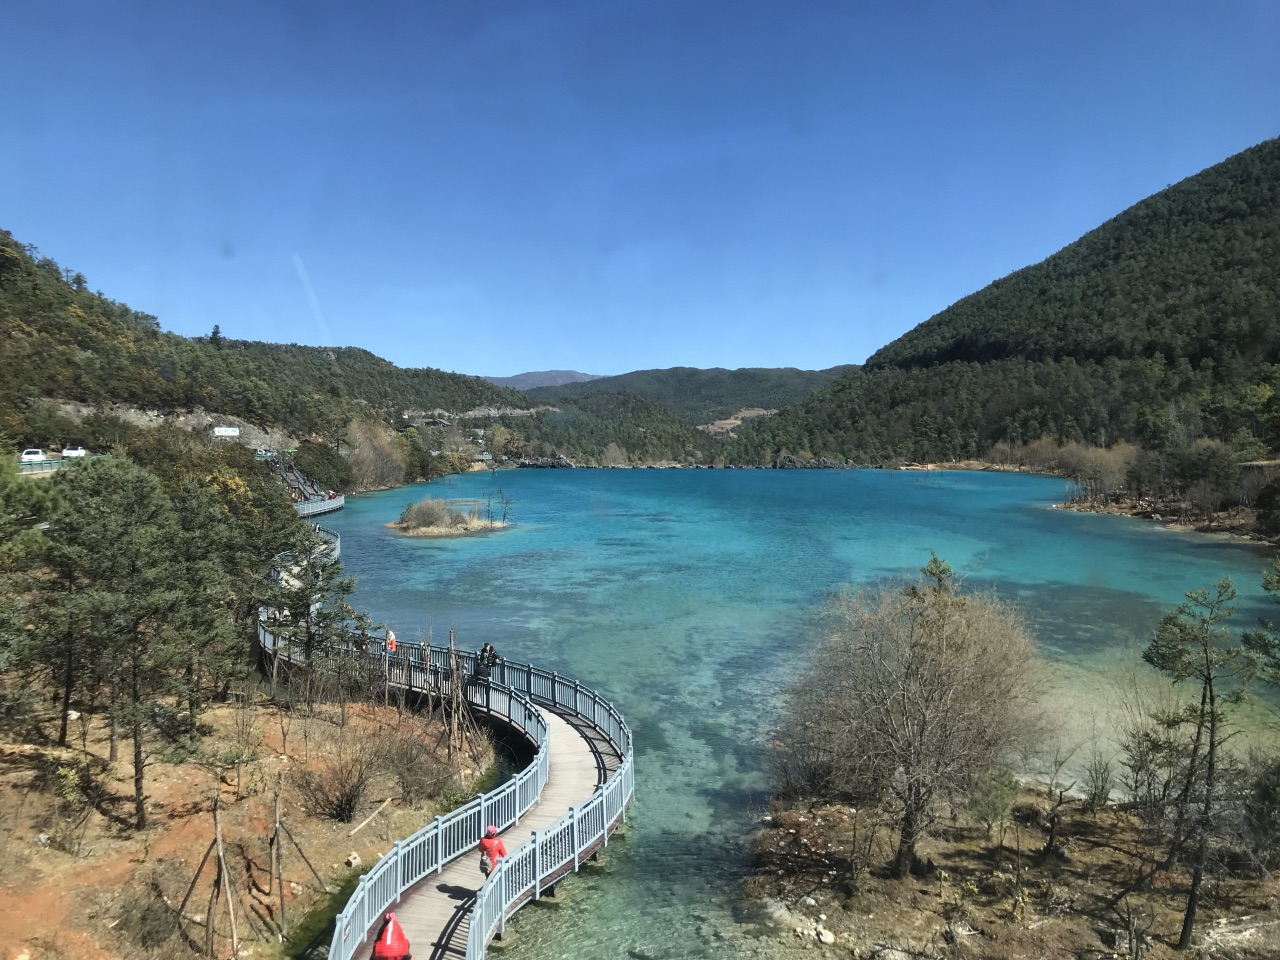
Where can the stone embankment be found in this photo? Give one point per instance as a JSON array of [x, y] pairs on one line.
[[818, 463], [545, 463]]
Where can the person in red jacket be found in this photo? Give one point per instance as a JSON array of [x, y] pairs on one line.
[[491, 849]]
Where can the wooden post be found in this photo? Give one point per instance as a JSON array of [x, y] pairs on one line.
[[297, 846], [213, 905], [274, 843], [224, 872], [199, 870], [210, 914], [278, 856]]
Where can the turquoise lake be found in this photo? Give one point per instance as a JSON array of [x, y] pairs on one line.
[[687, 597]]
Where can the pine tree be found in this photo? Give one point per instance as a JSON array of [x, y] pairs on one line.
[[113, 555], [1191, 644]]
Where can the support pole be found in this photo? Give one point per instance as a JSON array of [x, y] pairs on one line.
[[297, 846], [199, 870], [224, 873], [278, 854]]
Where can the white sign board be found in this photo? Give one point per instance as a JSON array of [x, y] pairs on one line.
[[226, 431]]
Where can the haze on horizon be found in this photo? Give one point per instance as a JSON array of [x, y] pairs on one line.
[[505, 187]]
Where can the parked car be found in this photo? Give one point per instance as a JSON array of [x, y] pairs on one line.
[[73, 452], [31, 455]]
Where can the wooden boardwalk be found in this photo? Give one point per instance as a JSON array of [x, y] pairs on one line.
[[435, 913]]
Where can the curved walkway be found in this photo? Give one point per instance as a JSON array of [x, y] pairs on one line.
[[554, 814], [436, 913]]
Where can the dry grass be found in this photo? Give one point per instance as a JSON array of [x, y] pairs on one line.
[[95, 889]]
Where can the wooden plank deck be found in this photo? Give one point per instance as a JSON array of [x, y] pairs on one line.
[[435, 913]]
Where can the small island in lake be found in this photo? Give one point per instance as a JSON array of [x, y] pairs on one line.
[[433, 517]]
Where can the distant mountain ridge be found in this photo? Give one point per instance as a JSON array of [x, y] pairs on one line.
[[541, 378], [701, 396], [1159, 327]]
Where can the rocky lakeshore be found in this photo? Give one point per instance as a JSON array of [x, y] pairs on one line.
[[1003, 895]]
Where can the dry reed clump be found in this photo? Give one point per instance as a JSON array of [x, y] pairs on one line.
[[407, 760], [421, 771], [142, 916], [353, 757], [431, 513]]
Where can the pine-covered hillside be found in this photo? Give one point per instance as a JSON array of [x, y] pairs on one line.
[[613, 429], [63, 341], [1160, 326]]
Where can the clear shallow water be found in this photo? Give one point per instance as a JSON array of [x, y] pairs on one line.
[[686, 595]]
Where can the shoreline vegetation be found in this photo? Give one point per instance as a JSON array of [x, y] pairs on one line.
[[434, 517], [899, 824], [1202, 486]]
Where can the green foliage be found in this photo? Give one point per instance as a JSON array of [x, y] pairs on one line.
[[991, 798], [311, 603], [321, 463], [1188, 274], [140, 595], [1268, 506], [1192, 643], [111, 552], [703, 396], [1262, 813]]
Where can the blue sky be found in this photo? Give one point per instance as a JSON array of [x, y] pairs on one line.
[[496, 187]]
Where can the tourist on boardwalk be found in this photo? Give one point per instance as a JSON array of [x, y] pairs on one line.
[[491, 849], [486, 660]]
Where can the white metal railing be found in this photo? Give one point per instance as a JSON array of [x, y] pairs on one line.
[[561, 848], [332, 540], [310, 508], [52, 466], [511, 695]]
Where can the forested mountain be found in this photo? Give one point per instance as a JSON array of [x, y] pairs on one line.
[[62, 340], [703, 396], [1159, 327], [541, 378], [611, 429]]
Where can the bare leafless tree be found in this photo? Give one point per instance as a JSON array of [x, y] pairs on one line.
[[914, 694]]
